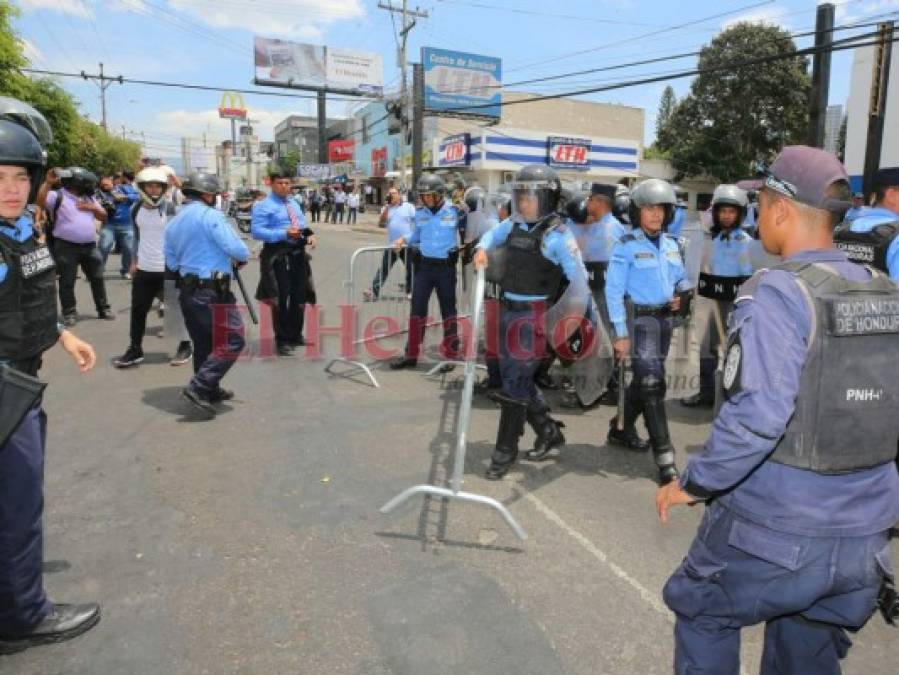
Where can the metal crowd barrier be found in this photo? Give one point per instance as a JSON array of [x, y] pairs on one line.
[[386, 314], [455, 489]]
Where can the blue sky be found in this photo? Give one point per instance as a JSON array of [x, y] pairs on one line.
[[210, 42]]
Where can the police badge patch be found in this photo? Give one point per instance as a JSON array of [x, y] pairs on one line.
[[732, 367]]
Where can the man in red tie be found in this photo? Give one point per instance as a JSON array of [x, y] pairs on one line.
[[285, 275]]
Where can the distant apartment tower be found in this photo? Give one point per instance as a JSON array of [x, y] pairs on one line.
[[833, 119]]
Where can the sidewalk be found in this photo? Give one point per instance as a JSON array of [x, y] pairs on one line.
[[365, 222]]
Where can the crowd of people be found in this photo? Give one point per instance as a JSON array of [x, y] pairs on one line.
[[798, 475]]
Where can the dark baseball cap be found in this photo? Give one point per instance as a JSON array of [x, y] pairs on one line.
[[604, 190], [887, 177], [805, 174]]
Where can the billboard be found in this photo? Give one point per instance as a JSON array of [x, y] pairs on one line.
[[341, 150], [455, 150], [456, 80], [281, 63], [563, 152], [232, 106]]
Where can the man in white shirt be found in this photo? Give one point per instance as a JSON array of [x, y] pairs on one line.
[[399, 219], [352, 203], [150, 216], [339, 204]]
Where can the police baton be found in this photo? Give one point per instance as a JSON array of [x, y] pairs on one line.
[[246, 297], [622, 370]]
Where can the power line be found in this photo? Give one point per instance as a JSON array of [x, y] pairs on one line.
[[641, 37]]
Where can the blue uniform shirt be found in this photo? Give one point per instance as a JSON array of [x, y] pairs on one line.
[[199, 240], [19, 231], [436, 233], [871, 219], [559, 246], [646, 273], [270, 219], [122, 215], [678, 222], [730, 254], [856, 212], [774, 327], [596, 240]]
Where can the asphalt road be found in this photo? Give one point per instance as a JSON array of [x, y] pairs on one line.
[[253, 543]]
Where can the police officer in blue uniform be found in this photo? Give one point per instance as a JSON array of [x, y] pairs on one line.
[[646, 270], [202, 247], [680, 212], [538, 251], [435, 241], [278, 221], [798, 470], [872, 238], [857, 209], [726, 265], [28, 327]]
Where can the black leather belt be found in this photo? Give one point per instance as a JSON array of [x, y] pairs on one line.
[[220, 283], [652, 310], [436, 262]]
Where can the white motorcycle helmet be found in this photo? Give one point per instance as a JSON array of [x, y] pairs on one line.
[[152, 174]]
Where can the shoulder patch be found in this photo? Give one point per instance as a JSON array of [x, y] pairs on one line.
[[733, 362], [626, 238]]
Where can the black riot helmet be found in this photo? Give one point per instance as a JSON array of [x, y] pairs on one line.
[[576, 208], [474, 198], [201, 183], [79, 181], [621, 207], [681, 196], [430, 184], [651, 192], [535, 182], [24, 138]]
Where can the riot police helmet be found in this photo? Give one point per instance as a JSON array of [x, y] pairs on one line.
[[681, 196], [79, 181], [536, 191], [24, 135], [652, 192], [621, 206], [152, 175], [474, 198], [430, 184], [729, 195], [576, 207], [201, 183]]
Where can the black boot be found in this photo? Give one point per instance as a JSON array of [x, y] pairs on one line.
[[627, 437], [549, 435], [657, 425], [511, 426], [700, 400]]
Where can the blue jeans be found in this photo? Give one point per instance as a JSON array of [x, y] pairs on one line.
[[124, 237], [807, 590]]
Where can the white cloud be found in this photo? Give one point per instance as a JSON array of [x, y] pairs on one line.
[[194, 123], [300, 20], [852, 12], [770, 16], [74, 7]]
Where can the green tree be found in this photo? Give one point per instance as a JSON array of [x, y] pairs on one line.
[[289, 161], [841, 139], [666, 109], [735, 115], [75, 140]]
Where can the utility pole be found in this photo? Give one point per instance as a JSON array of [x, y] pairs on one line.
[[322, 128], [820, 74], [408, 23], [418, 121], [103, 82], [123, 132], [880, 83]]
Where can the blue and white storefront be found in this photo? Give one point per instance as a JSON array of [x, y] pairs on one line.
[[491, 156]]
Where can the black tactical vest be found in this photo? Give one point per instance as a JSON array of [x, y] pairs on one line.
[[527, 271], [846, 412], [27, 300], [866, 248]]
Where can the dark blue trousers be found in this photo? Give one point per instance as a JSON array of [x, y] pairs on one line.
[[522, 348], [428, 278], [807, 590], [216, 330], [23, 603], [291, 272]]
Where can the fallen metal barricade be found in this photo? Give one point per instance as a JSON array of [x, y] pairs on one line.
[[455, 489]]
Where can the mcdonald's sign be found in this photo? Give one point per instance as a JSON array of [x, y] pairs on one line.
[[232, 106]]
